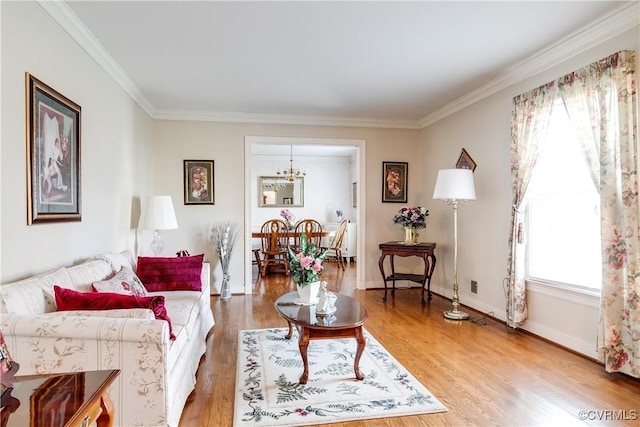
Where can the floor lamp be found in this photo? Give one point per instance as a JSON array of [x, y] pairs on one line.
[[454, 185], [159, 215]]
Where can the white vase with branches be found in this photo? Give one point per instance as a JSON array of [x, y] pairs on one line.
[[224, 234]]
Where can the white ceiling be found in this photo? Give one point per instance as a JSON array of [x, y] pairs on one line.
[[338, 62]]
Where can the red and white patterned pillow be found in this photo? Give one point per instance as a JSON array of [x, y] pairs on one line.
[[124, 282]]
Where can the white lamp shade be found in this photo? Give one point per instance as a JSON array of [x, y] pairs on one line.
[[159, 214], [454, 184]]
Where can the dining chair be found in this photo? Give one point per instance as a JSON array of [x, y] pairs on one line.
[[335, 246], [275, 245], [256, 258], [313, 230]]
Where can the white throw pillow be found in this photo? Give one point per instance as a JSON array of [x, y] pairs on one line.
[[119, 260], [124, 282]]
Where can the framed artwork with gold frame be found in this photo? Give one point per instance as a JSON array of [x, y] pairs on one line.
[[53, 155], [198, 182], [394, 182]]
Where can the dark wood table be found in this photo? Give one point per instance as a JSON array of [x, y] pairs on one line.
[[422, 250], [59, 400], [346, 322], [290, 234]]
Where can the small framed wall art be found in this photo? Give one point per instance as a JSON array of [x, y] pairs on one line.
[[53, 154], [198, 182], [354, 194], [465, 161], [394, 182]]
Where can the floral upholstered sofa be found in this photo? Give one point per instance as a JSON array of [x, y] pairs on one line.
[[157, 372]]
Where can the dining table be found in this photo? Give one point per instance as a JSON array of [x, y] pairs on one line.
[[291, 234]]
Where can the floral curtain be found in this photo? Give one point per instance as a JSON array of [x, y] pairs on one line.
[[529, 123], [601, 101]]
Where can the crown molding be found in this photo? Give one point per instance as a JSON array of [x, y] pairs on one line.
[[69, 22], [605, 28], [609, 26], [287, 119]]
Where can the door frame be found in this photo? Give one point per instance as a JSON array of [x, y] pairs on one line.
[[359, 144]]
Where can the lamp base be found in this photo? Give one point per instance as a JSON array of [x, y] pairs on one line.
[[157, 245], [456, 315]]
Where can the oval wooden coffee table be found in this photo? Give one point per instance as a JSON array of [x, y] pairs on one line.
[[346, 322]]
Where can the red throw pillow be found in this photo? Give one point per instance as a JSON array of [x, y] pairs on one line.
[[68, 299], [171, 274]]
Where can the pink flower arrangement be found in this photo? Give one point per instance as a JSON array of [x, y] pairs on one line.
[[288, 217], [414, 217], [306, 264]]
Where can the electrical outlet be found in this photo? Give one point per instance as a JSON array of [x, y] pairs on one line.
[[474, 287]]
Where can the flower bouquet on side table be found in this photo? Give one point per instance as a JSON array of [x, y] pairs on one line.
[[304, 267], [411, 218]]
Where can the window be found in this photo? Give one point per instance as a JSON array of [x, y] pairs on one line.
[[563, 212]]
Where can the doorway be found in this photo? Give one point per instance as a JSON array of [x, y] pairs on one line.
[[254, 144]]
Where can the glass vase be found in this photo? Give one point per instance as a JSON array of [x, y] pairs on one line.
[[225, 288]]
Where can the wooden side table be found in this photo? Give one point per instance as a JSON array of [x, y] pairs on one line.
[[422, 250], [75, 399]]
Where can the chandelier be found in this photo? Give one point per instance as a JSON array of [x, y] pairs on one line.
[[275, 185], [291, 173]]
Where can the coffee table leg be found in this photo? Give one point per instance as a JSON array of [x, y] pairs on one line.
[[303, 344], [362, 342], [290, 334]]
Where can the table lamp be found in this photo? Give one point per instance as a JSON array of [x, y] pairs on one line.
[[159, 215]]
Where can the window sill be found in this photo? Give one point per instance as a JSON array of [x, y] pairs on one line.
[[586, 297]]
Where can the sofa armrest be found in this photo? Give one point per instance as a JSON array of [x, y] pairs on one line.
[[138, 347], [206, 278], [48, 344], [124, 313]]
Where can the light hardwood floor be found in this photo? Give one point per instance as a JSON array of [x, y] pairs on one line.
[[485, 373]]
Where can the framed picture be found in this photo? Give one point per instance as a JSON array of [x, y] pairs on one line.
[[53, 155], [465, 161], [354, 194], [394, 182], [198, 182]]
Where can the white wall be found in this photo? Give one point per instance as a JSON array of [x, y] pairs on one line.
[[115, 142], [224, 143], [484, 130]]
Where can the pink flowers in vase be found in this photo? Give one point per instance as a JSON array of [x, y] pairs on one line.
[[306, 264], [288, 217], [412, 217]]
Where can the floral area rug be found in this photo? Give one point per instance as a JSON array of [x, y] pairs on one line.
[[268, 392]]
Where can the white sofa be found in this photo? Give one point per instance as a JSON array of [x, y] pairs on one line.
[[157, 374]]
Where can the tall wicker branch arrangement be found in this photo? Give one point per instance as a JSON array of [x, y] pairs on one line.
[[224, 234]]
